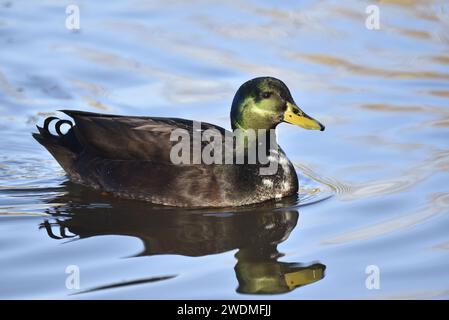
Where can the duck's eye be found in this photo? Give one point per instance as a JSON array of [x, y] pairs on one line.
[[266, 95]]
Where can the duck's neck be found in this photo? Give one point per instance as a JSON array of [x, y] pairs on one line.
[[260, 140]]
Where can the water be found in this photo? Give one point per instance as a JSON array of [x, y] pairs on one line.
[[374, 185]]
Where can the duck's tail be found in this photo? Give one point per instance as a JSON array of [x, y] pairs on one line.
[[63, 147]]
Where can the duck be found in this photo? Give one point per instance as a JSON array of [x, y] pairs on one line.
[[154, 158]]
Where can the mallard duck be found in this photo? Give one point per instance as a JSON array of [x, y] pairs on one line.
[[132, 157]]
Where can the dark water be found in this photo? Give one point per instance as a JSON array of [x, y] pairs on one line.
[[374, 185]]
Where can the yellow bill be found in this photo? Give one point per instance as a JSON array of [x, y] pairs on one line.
[[303, 277], [296, 116]]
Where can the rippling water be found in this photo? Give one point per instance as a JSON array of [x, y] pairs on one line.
[[374, 185]]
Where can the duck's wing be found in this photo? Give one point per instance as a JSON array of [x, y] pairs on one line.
[[131, 138]]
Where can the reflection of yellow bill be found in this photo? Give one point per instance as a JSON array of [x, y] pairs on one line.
[[296, 116], [303, 277]]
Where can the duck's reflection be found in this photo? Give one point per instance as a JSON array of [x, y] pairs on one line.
[[255, 232]]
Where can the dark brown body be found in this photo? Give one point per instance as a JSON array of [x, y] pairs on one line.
[[130, 157]]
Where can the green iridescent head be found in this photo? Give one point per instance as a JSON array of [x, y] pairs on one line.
[[263, 103]]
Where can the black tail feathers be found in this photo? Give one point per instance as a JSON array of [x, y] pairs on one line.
[[45, 131], [63, 146]]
